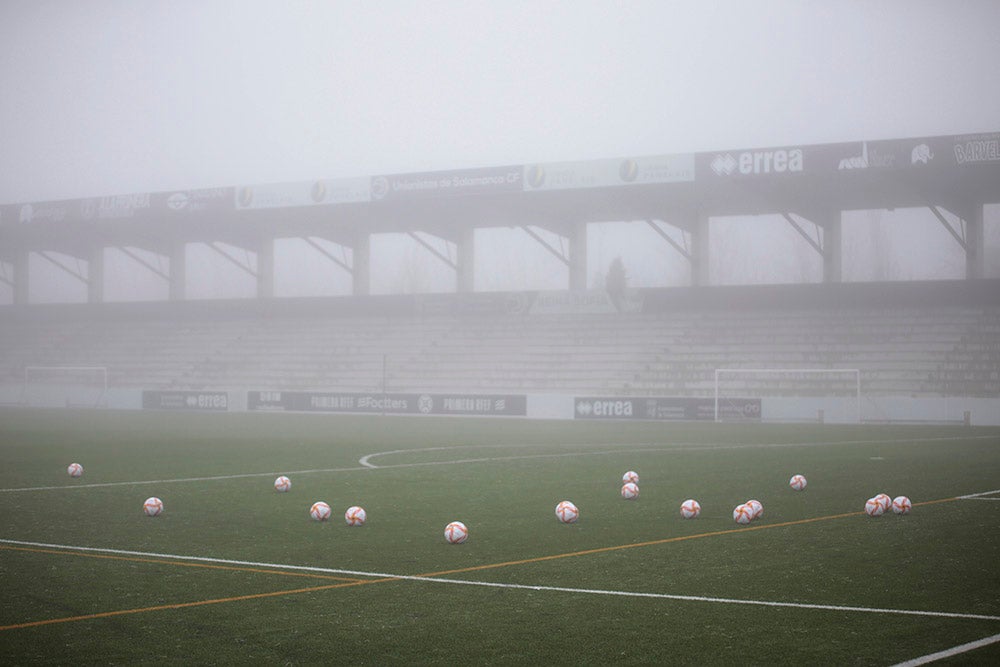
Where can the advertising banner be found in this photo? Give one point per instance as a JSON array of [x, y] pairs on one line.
[[608, 173], [782, 161], [183, 202], [201, 401], [396, 404], [487, 180], [665, 408], [304, 193]]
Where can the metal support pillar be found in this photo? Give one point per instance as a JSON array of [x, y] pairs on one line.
[[578, 257], [362, 258], [265, 268], [975, 256], [95, 275], [22, 273], [701, 242], [178, 271], [465, 279], [833, 248]]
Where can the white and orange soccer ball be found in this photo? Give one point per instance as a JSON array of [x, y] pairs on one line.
[[630, 476], [153, 506], [74, 470], [883, 499], [797, 482], [456, 532], [355, 516], [282, 484], [319, 511], [567, 512], [690, 509], [756, 507], [630, 491], [874, 507], [743, 514], [901, 505]]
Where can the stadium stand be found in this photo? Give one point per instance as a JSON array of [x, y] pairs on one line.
[[917, 339]]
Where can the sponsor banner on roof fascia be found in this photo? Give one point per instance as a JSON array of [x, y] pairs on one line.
[[214, 200], [393, 403], [47, 211], [460, 182], [780, 161], [924, 152], [304, 193], [212, 401], [665, 408], [607, 173]]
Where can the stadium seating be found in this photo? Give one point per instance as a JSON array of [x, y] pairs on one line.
[[945, 350]]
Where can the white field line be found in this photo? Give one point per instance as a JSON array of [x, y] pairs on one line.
[[979, 495], [947, 653], [630, 449], [365, 464], [487, 584], [213, 478]]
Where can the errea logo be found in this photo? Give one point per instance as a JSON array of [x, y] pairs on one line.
[[757, 162]]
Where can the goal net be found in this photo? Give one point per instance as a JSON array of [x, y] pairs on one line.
[[791, 394], [66, 386]]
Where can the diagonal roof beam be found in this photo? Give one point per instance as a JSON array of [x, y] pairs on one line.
[[555, 251], [434, 251], [817, 245], [669, 239], [329, 255], [222, 251], [82, 278]]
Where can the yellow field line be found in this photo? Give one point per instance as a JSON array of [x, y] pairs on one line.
[[667, 540], [231, 568], [182, 605], [357, 582]]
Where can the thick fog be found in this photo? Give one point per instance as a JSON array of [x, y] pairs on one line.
[[107, 97]]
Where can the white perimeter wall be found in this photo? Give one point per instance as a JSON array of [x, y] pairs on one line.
[[983, 411]]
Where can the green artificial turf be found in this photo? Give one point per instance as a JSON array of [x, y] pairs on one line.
[[503, 479]]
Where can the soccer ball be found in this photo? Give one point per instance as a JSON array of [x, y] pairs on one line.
[[153, 506], [884, 500], [630, 491], [282, 484], [755, 507], [319, 511], [797, 482], [901, 505], [690, 508], [74, 470], [456, 532], [874, 507], [630, 476], [567, 512], [355, 516], [743, 514]]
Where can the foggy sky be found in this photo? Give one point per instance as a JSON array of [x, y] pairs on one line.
[[104, 97]]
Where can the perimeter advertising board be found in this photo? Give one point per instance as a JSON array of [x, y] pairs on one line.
[[506, 405], [198, 401], [489, 180], [609, 173], [665, 408]]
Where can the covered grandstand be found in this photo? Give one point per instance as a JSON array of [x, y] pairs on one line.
[[921, 351]]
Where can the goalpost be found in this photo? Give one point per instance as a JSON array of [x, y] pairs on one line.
[[65, 386], [793, 394]]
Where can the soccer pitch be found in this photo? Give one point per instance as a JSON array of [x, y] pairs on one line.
[[234, 572]]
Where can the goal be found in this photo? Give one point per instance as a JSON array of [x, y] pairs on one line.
[[791, 394], [66, 386]]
